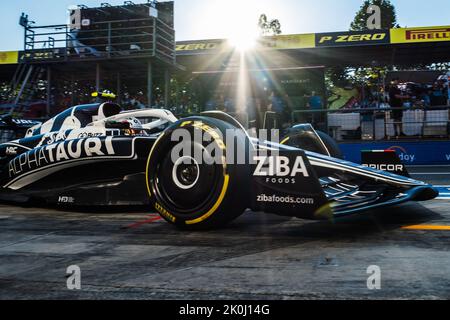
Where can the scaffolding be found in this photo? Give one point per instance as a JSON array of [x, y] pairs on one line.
[[107, 47]]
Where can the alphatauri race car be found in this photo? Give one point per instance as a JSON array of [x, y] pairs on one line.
[[98, 155]]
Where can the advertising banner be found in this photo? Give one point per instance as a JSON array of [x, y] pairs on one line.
[[410, 153], [330, 39], [353, 38], [9, 57], [294, 41], [200, 46], [420, 34]]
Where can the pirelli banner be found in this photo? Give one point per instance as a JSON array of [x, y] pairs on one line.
[[9, 57], [330, 39], [420, 34], [201, 46], [353, 38]]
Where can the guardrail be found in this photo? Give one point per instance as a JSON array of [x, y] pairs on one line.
[[348, 125], [149, 37], [369, 124]]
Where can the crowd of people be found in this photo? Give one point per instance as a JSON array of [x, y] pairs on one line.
[[413, 95], [256, 107]]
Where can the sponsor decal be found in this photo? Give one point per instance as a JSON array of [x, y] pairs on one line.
[[212, 132], [199, 46], [423, 34], [386, 160], [356, 38], [22, 121], [59, 152], [403, 154], [84, 135], [64, 199], [385, 167], [284, 199], [279, 167], [285, 182], [411, 152], [164, 212], [52, 137]]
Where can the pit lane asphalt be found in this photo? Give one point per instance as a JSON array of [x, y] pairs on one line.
[[259, 256], [436, 175]]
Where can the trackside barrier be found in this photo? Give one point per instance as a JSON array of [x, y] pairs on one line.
[[379, 124], [411, 153]]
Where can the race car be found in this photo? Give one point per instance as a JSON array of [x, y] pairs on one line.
[[96, 155]]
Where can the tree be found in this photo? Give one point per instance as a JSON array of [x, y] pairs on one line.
[[388, 15], [356, 76], [269, 27], [388, 21]]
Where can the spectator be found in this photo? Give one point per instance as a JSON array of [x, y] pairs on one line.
[[276, 103], [437, 96], [426, 98], [384, 104], [229, 105], [396, 99], [315, 102], [211, 104]]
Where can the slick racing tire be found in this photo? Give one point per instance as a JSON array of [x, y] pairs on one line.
[[195, 192], [305, 142]]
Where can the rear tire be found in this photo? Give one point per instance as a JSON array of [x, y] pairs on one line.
[[193, 193]]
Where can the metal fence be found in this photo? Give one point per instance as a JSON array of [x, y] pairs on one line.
[[379, 124], [349, 124], [360, 124], [149, 37]]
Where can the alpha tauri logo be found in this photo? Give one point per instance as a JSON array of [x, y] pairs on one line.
[[60, 152]]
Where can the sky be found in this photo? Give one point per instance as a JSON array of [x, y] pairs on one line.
[[212, 19]]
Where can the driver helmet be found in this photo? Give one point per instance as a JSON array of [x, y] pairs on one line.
[[135, 126]]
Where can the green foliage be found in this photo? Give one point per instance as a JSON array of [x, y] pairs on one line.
[[388, 15], [269, 27], [356, 76]]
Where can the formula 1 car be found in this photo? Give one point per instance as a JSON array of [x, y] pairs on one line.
[[97, 155]]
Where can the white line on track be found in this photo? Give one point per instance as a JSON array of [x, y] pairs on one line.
[[430, 166], [430, 173]]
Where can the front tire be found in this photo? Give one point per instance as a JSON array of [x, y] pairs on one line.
[[198, 193]]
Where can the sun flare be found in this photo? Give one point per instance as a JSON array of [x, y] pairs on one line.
[[236, 21]]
